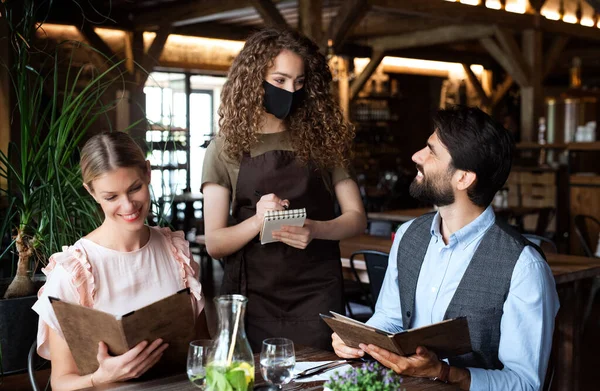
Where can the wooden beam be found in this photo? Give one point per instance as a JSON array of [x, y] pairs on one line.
[[445, 54], [311, 19], [513, 52], [215, 30], [431, 37], [532, 98], [501, 90], [348, 16], [269, 13], [98, 43], [154, 52], [551, 58], [378, 25], [185, 13], [492, 47], [483, 97], [364, 76], [457, 13]]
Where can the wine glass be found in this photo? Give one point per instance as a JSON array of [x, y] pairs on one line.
[[197, 359], [277, 361]]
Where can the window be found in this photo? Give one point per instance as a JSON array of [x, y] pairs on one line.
[[180, 109]]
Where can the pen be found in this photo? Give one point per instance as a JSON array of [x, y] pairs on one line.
[[259, 194]]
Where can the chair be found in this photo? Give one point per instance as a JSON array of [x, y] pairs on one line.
[[35, 363], [547, 245], [582, 222], [376, 262], [587, 241]]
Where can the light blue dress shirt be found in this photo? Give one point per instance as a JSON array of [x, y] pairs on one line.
[[529, 310]]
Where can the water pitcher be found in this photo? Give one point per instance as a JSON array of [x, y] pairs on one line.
[[231, 365]]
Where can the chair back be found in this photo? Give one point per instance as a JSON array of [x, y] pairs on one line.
[[547, 245], [376, 263], [34, 363], [586, 239]]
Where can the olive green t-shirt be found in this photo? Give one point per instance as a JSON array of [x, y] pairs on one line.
[[221, 169]]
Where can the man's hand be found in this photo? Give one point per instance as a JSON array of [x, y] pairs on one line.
[[422, 364], [343, 350]]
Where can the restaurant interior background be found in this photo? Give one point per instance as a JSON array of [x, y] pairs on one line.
[[532, 64]]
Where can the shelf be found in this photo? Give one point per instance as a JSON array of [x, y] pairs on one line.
[[167, 146], [534, 169], [590, 146], [376, 97], [170, 167], [585, 180], [532, 145], [374, 122]]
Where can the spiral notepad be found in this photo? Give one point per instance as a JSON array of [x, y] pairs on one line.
[[275, 219]]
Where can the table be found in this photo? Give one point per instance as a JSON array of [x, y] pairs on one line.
[[399, 215], [403, 215], [181, 383], [573, 276]]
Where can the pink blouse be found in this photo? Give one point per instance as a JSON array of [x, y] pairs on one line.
[[117, 282]]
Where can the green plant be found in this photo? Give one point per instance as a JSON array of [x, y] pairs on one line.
[[369, 377], [47, 205]]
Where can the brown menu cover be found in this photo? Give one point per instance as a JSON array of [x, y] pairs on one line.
[[447, 338], [171, 319]]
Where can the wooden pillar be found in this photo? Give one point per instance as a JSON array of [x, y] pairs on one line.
[[137, 97], [310, 19], [344, 87], [532, 98], [5, 89]]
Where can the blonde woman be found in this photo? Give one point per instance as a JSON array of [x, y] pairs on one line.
[[121, 266], [283, 143]]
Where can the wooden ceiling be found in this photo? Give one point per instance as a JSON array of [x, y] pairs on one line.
[[356, 27]]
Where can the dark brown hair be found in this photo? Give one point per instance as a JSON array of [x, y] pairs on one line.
[[317, 128]]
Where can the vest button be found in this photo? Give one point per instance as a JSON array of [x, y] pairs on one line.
[[408, 313]]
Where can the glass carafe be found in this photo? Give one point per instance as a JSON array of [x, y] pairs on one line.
[[231, 365]]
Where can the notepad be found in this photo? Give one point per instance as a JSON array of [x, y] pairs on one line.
[[275, 219]]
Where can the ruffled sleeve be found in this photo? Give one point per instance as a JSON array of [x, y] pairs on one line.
[[69, 278], [188, 267]]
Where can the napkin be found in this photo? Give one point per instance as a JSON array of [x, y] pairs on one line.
[[323, 376]]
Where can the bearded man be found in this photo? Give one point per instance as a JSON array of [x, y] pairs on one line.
[[461, 261]]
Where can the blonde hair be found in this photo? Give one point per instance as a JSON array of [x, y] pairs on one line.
[[108, 151]]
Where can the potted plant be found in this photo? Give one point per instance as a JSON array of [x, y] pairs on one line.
[[370, 376], [45, 204]]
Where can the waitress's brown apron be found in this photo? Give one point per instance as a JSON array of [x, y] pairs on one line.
[[286, 287]]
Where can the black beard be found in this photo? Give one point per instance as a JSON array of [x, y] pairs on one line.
[[426, 192]]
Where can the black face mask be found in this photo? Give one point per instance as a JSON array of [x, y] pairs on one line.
[[280, 102]]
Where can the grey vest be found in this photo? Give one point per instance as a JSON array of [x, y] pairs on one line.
[[480, 294]]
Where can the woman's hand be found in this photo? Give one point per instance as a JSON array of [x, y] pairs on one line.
[[298, 237], [129, 365], [266, 203]]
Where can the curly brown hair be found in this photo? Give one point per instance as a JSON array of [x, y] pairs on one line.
[[317, 128]]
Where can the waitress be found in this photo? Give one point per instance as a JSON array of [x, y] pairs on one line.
[[282, 143]]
